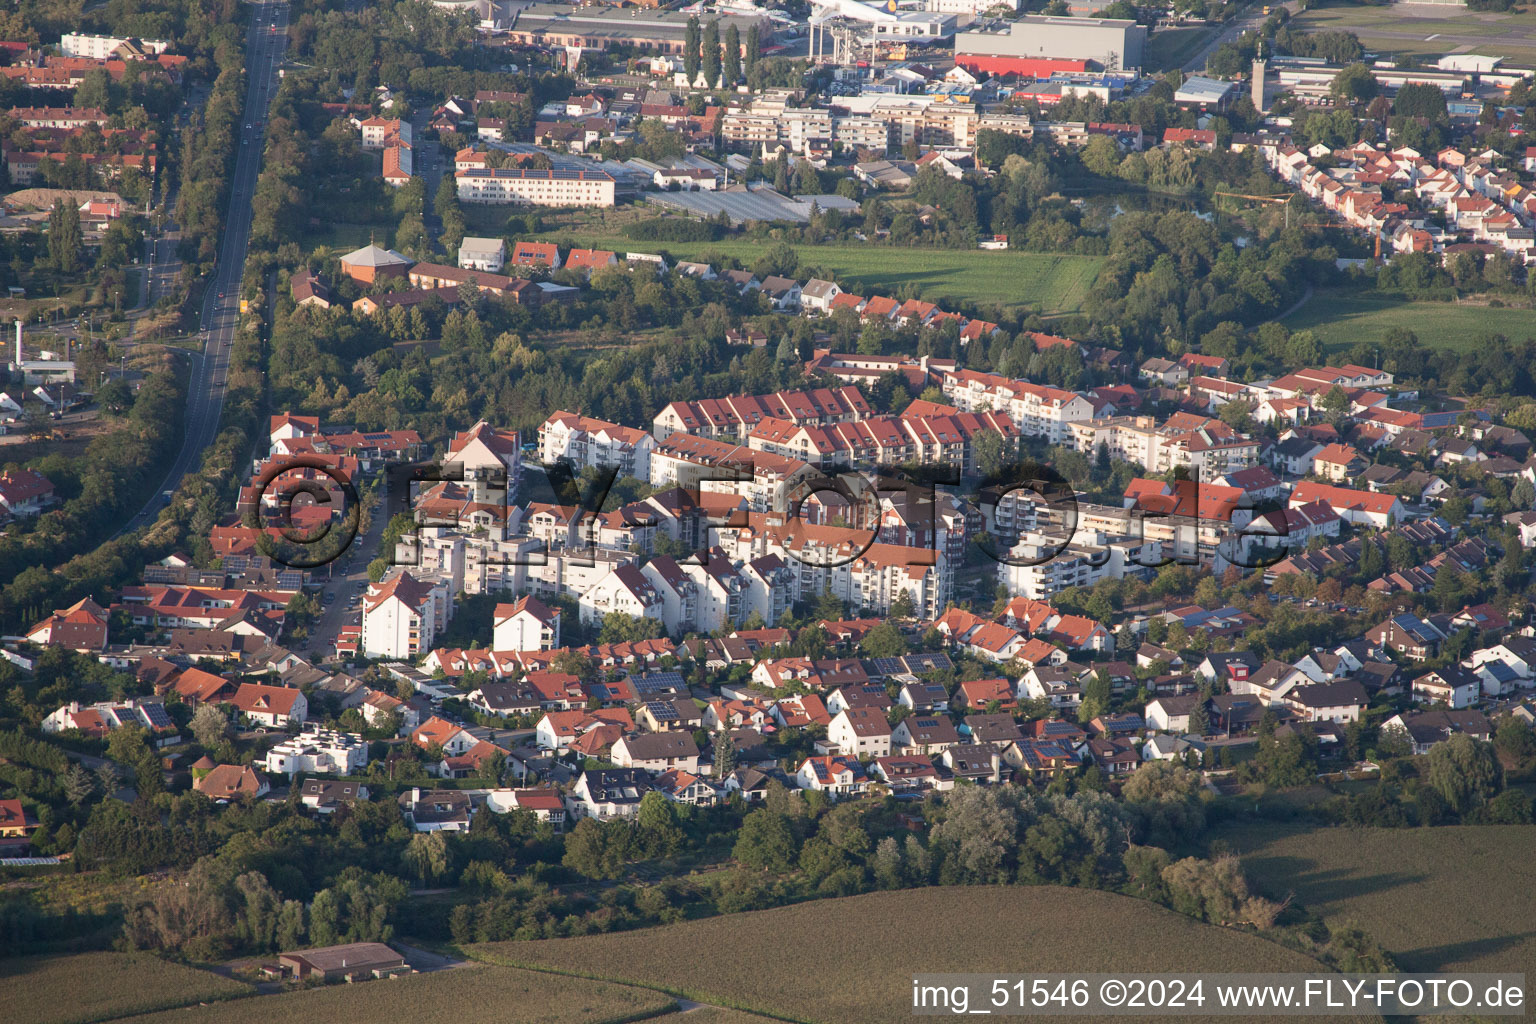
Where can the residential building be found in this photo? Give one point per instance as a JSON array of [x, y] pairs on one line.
[[403, 615]]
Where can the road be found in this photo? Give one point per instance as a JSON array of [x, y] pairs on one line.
[[429, 166], [1252, 18], [221, 303], [349, 578]]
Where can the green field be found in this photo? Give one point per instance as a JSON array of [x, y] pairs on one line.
[[851, 960], [464, 995], [100, 986], [1401, 28], [1340, 319], [1056, 283], [1440, 899], [1169, 48]]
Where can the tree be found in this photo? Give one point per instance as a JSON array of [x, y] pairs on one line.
[[1354, 84], [1199, 719], [78, 785], [426, 856], [730, 67], [598, 850], [883, 641], [1335, 404], [691, 50], [765, 842], [711, 52], [109, 777], [659, 833], [1420, 100], [210, 725], [1465, 772], [725, 754], [754, 49], [991, 452], [64, 238]]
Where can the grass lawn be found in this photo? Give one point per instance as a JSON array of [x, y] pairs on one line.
[[1169, 48], [1409, 28], [347, 236], [1341, 318], [851, 960], [100, 986], [1454, 898], [1056, 283], [502, 994]]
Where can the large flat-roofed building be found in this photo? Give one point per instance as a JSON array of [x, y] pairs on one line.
[[535, 188], [598, 28], [1040, 46], [354, 961]]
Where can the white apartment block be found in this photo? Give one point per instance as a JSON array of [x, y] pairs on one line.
[[528, 187], [696, 463], [403, 615], [625, 590], [318, 751], [1139, 440], [76, 44], [586, 442], [1042, 565]]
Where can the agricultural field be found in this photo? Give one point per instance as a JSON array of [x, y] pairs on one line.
[[851, 960], [1428, 29], [699, 1014], [90, 987], [1453, 898], [454, 996], [1341, 319], [1054, 282]]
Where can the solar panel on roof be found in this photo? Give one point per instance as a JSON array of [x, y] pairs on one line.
[[651, 682]]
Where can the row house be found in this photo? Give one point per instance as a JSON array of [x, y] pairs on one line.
[[733, 417], [1037, 410]]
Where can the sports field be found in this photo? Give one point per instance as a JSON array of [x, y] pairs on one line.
[[1340, 319], [1429, 29], [851, 960], [1056, 283], [1452, 898]]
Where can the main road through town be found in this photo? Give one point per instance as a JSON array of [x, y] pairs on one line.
[[266, 41]]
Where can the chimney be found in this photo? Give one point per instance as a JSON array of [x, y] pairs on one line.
[[1259, 67], [18, 342]]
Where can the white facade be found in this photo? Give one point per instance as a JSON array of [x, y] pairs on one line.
[[76, 44], [403, 615], [586, 442], [624, 590], [487, 254], [524, 630], [527, 187], [322, 751]]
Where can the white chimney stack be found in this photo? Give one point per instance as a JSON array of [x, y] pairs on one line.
[[18, 342]]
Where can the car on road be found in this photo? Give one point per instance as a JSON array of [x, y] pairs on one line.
[[328, 598]]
